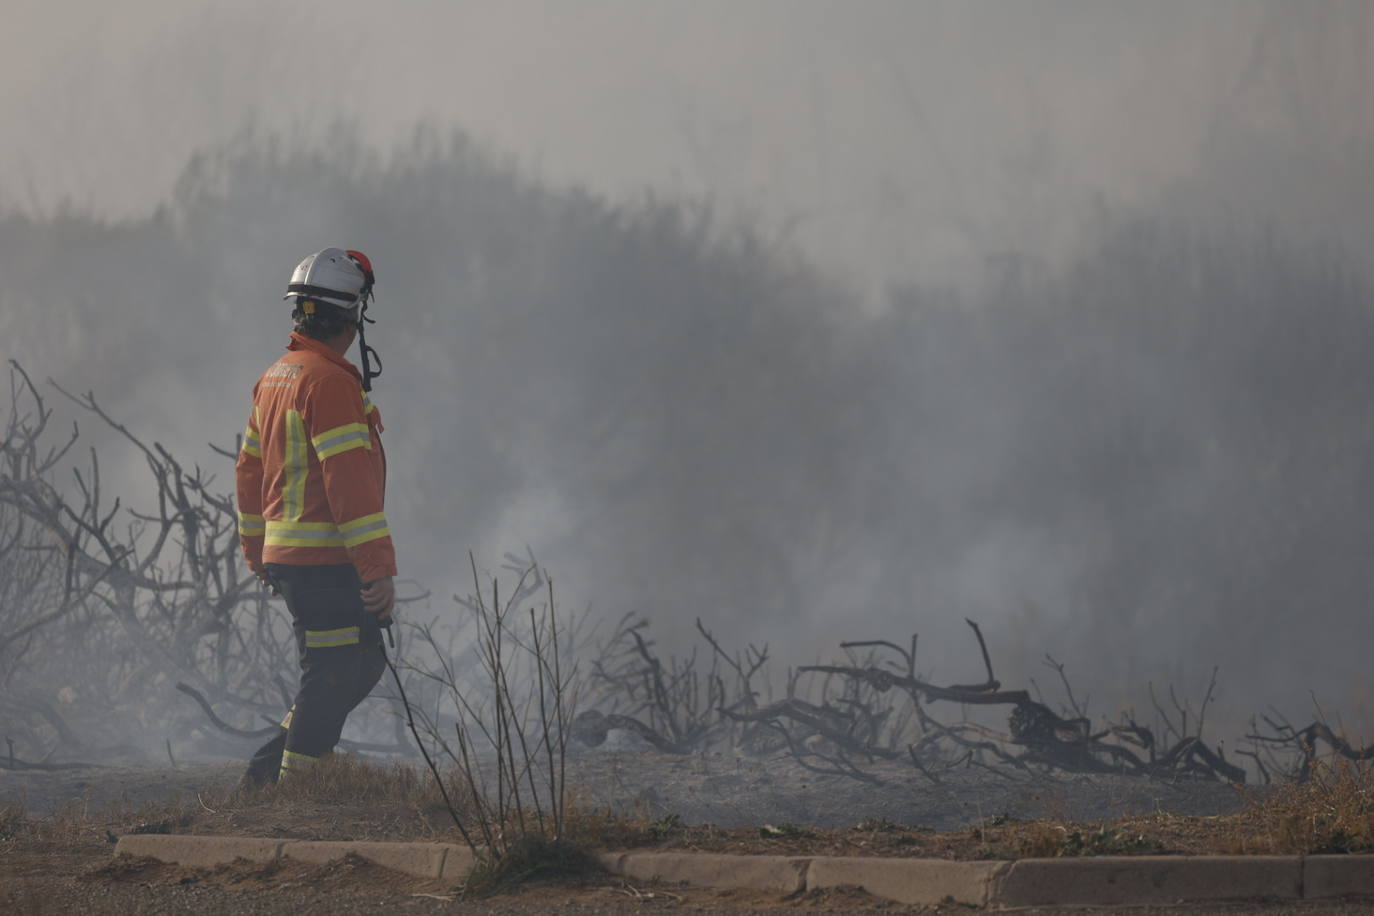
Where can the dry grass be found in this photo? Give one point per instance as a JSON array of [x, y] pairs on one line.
[[342, 776], [532, 859], [13, 821], [77, 825], [339, 797], [1332, 812]]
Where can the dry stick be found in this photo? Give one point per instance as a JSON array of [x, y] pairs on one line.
[[916, 762], [529, 758], [468, 768], [505, 708], [910, 659], [491, 648], [991, 684], [1164, 716], [507, 714], [758, 660], [544, 722], [1079, 711], [800, 754], [559, 711], [952, 734], [1182, 711], [1263, 770], [220, 723], [1207, 698], [653, 677], [429, 761]]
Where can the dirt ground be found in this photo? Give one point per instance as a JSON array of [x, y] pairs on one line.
[[41, 877], [57, 856]]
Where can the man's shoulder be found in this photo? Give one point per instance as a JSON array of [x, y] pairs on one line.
[[302, 364], [322, 380], [304, 372]]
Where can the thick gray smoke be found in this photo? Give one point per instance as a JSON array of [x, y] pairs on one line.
[[1139, 442]]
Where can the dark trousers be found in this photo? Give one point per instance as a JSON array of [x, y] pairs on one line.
[[341, 658]]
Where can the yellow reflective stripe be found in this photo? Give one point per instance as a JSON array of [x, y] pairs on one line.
[[251, 444], [342, 438], [362, 530], [251, 525], [296, 466], [290, 760], [286, 720], [328, 639], [302, 534]]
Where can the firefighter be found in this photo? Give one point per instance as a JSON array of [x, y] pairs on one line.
[[311, 475]]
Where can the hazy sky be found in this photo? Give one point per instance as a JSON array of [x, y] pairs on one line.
[[893, 139]]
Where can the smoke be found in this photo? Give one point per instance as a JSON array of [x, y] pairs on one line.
[[1073, 350], [905, 141]]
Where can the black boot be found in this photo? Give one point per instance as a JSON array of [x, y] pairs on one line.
[[266, 763]]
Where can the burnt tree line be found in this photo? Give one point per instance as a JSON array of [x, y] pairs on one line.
[[104, 606]]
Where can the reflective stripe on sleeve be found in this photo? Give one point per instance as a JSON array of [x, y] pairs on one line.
[[302, 534], [362, 530], [251, 526], [331, 442], [329, 639], [295, 467], [252, 445]]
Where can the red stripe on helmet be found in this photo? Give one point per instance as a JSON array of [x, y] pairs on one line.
[[362, 261]]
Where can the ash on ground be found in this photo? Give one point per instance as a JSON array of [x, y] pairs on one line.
[[734, 791], [724, 790]]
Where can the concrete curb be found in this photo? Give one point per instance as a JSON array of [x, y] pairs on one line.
[[1114, 880], [781, 874], [198, 851], [1095, 881], [423, 860], [928, 882]]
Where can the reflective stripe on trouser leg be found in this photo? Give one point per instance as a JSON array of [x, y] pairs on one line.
[[333, 639], [294, 762]]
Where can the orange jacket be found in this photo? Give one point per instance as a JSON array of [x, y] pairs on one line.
[[311, 472]]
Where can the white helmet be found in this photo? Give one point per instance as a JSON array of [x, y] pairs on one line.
[[334, 277]]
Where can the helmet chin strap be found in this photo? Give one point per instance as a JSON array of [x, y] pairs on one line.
[[369, 355]]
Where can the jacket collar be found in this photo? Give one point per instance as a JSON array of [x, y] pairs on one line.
[[301, 342]]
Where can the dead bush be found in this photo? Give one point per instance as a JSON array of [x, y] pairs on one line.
[[1330, 812]]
